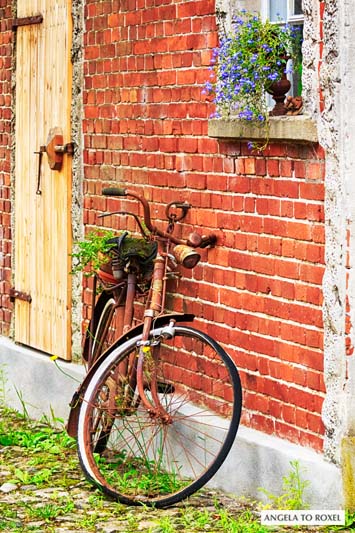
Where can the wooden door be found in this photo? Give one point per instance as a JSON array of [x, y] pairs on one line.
[[42, 217]]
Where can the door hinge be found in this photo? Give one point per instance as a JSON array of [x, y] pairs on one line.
[[20, 295], [27, 21]]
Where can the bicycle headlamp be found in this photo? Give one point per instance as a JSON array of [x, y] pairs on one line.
[[186, 256]]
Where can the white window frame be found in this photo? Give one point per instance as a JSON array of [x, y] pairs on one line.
[[291, 17]]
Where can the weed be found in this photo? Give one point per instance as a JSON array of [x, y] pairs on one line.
[[8, 519], [293, 495], [96, 500], [38, 478], [47, 439], [60, 369], [349, 523], [246, 522], [89, 521], [19, 394], [165, 525], [122, 472], [220, 520], [52, 419], [35, 454], [49, 511], [3, 381]]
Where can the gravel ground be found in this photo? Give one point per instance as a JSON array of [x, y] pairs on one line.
[[42, 489]]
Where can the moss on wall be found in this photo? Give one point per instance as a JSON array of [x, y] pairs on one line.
[[348, 471]]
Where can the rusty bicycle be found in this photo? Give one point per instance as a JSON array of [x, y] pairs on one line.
[[159, 408]]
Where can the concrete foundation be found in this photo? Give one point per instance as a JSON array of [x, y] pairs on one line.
[[256, 460], [33, 380]]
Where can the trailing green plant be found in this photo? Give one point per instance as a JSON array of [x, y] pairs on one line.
[[293, 491], [96, 250], [249, 58], [93, 251]]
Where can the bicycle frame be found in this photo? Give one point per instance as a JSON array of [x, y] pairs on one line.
[[161, 321], [156, 302]]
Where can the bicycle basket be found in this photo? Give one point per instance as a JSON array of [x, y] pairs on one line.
[[126, 251], [144, 251]]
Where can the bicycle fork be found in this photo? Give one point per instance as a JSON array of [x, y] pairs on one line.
[[145, 352]]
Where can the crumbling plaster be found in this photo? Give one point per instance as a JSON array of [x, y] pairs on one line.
[[310, 58], [77, 168], [337, 136], [347, 166]]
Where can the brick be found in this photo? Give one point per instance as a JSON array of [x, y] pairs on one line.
[[312, 191], [260, 167], [273, 167], [315, 171], [299, 169]]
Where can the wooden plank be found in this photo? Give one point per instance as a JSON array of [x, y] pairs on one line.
[[22, 224], [44, 101]]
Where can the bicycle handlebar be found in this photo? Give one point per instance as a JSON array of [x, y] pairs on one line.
[[195, 240], [116, 191]]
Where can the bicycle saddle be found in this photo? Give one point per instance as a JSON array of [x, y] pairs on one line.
[[128, 247]]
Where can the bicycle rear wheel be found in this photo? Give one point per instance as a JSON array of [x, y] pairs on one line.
[[148, 460], [107, 329]]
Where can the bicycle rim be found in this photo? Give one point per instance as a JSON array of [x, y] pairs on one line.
[[148, 461]]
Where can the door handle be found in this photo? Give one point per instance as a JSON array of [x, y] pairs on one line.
[[40, 153], [55, 150]]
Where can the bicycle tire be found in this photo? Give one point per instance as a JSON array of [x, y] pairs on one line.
[[104, 336], [99, 338], [106, 331], [149, 462]]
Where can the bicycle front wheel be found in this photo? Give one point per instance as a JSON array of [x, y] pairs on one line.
[[148, 459]]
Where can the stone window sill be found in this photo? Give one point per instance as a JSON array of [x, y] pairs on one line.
[[300, 128]]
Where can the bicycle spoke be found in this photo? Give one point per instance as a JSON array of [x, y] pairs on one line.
[[147, 457]]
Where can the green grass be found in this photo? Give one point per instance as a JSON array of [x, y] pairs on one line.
[[37, 457], [52, 492], [122, 473]]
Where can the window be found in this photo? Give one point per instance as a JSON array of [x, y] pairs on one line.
[[287, 11]]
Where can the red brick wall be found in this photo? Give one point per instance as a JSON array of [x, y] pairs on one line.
[[145, 124], [5, 163], [259, 291]]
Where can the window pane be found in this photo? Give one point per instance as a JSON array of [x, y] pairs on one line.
[[278, 10], [297, 10]]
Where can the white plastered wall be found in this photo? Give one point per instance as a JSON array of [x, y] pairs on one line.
[[347, 170]]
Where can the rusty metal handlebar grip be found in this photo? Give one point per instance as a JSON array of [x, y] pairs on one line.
[[114, 191]]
